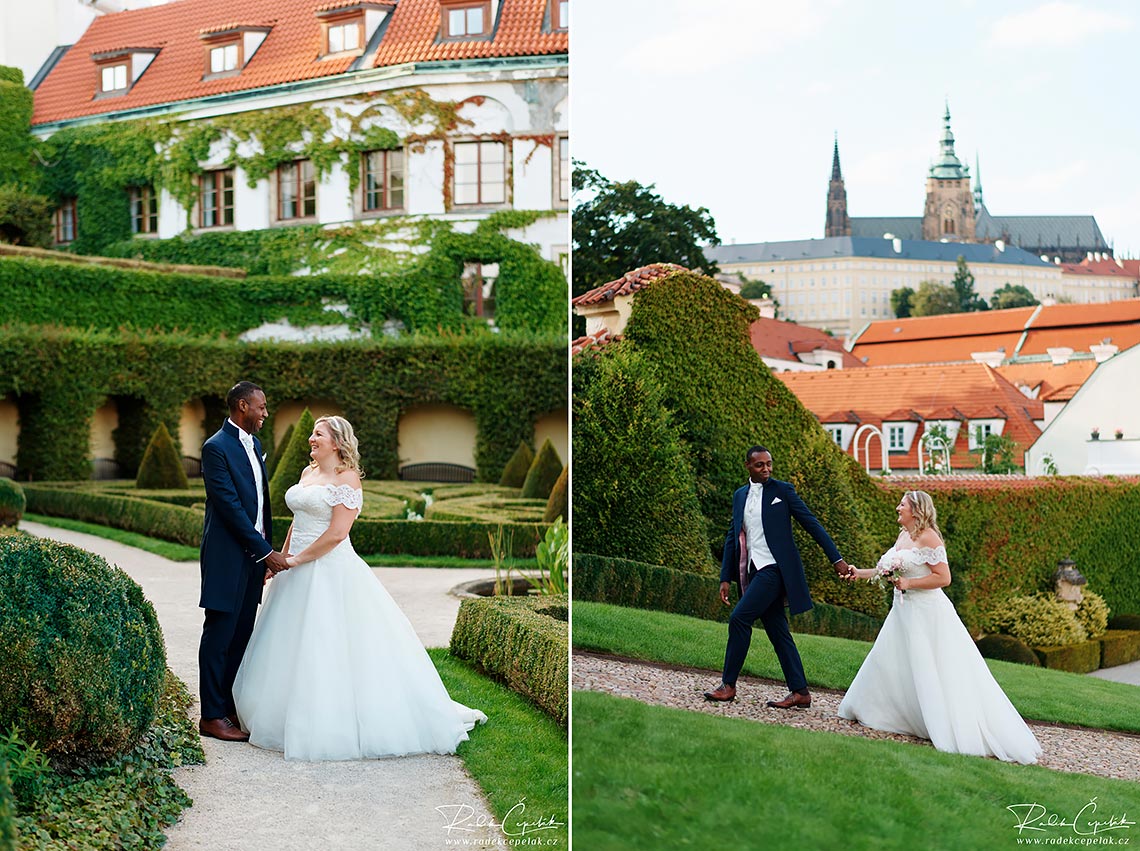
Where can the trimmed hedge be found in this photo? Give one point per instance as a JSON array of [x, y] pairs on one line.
[[161, 465], [1007, 649], [1119, 647], [1124, 622], [12, 502], [1077, 658], [523, 641], [184, 525], [514, 473], [558, 505], [81, 651], [543, 473], [487, 508], [58, 379], [622, 582], [293, 459]]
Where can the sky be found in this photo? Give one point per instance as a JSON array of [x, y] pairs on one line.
[[734, 105]]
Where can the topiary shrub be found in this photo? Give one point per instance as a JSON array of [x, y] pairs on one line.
[[161, 465], [81, 652], [271, 463], [293, 459], [634, 493], [514, 474], [1007, 649], [1092, 612], [558, 505], [1039, 620], [543, 473], [1124, 622], [12, 502]]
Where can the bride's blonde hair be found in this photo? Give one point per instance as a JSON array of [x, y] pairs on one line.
[[344, 439], [923, 511]]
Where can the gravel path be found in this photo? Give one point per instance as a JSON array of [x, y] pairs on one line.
[[246, 799], [1082, 750]]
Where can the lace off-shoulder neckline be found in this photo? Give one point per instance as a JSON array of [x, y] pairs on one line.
[[345, 495], [927, 555]]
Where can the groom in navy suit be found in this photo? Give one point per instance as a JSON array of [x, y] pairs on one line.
[[236, 557], [761, 556]]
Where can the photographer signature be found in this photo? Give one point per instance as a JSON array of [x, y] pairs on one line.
[[1037, 817], [462, 817]]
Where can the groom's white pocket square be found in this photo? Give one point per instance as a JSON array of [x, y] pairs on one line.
[[263, 454], [775, 500]]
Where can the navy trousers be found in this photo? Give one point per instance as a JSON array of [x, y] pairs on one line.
[[764, 600], [224, 639]]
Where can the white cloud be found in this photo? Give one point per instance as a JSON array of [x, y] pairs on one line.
[[712, 34], [1054, 24]]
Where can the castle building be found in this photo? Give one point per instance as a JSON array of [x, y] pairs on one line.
[[955, 211]]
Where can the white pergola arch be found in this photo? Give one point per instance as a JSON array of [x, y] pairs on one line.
[[933, 443], [866, 432]]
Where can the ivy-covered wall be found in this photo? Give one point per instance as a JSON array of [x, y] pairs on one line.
[[425, 293], [59, 377]]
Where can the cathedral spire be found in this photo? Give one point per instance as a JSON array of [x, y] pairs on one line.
[[838, 223], [948, 166], [978, 202]]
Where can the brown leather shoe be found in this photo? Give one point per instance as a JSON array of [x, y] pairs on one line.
[[792, 701], [222, 728], [724, 693], [233, 719]]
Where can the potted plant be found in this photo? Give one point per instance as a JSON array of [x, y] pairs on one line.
[[1096, 433]]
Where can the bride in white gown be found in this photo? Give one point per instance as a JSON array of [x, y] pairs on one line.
[[924, 676], [334, 669]]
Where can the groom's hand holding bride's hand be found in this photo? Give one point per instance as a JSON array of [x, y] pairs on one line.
[[843, 570], [276, 562]]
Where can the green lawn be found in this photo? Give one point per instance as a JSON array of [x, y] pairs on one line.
[[1038, 693], [650, 777], [520, 753]]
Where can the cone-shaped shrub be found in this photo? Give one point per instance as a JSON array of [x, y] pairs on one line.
[[81, 652], [634, 491], [275, 458], [161, 466], [12, 502], [557, 505], [294, 458], [514, 474], [543, 473]]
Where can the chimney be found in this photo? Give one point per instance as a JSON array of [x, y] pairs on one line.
[[896, 243], [993, 359], [1060, 355], [999, 245], [1103, 351]]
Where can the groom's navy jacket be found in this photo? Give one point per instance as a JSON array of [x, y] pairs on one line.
[[231, 544], [781, 504]]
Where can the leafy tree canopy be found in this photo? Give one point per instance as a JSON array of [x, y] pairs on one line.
[[963, 283], [934, 299], [754, 289], [1012, 296], [622, 226], [902, 302]]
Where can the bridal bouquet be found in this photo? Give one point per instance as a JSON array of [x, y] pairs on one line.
[[888, 570]]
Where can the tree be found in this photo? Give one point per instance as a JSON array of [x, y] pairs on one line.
[[963, 283], [902, 302], [997, 453], [618, 227], [1008, 296], [934, 299], [754, 289]]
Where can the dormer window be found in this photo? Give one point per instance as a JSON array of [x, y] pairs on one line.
[[559, 14], [113, 78], [118, 70], [229, 48], [348, 27], [464, 19]]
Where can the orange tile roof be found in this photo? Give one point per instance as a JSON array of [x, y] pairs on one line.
[[628, 283], [1047, 376], [951, 350], [900, 393], [982, 323], [597, 340], [773, 338], [290, 53], [1107, 268]]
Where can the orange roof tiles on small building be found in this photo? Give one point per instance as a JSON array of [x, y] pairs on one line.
[[596, 340], [628, 283], [291, 52], [915, 394], [1043, 378], [779, 340]]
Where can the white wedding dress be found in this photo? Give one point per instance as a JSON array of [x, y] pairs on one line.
[[334, 669], [925, 677]]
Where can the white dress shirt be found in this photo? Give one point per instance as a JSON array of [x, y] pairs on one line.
[[247, 441], [759, 553]]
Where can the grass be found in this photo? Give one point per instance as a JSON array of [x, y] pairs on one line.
[[654, 777], [181, 552], [1038, 693], [520, 754]]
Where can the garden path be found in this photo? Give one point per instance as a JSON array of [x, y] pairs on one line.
[[1107, 754], [247, 799]]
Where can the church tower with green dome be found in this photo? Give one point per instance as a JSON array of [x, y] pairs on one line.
[[949, 212]]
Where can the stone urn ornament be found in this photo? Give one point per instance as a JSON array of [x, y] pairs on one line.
[[1068, 581]]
